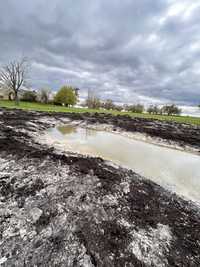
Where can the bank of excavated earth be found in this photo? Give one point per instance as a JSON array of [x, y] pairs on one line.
[[64, 209]]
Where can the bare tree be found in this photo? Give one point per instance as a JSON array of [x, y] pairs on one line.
[[14, 75], [92, 100], [44, 95]]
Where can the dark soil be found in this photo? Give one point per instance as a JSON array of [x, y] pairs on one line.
[[182, 134], [70, 210]]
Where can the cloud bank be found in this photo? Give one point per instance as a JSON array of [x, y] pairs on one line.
[[129, 51]]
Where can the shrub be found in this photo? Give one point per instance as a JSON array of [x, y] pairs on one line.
[[154, 110], [108, 104], [138, 108], [29, 96], [118, 108], [171, 110]]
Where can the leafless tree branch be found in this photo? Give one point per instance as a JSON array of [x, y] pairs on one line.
[[14, 75]]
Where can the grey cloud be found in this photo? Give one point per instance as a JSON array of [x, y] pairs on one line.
[[128, 51]]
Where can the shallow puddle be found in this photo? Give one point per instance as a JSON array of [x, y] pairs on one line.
[[176, 170]]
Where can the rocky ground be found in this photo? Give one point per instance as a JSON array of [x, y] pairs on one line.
[[61, 209]]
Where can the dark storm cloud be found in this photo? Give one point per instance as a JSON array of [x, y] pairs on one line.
[[125, 50]]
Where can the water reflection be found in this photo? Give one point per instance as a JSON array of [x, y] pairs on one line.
[[75, 132], [176, 170], [66, 129]]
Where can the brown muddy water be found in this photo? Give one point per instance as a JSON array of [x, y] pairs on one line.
[[175, 170]]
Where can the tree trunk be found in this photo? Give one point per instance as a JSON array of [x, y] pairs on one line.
[[16, 99]]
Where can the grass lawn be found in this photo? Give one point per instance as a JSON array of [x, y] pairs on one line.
[[53, 108]]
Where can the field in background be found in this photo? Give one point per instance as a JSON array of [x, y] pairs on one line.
[[53, 108]]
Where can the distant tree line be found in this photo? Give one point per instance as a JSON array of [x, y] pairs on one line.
[[66, 96], [94, 102], [14, 76], [137, 108], [166, 109]]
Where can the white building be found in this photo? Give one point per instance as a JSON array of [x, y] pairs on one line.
[[8, 94]]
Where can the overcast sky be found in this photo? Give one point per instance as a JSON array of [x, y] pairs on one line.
[[129, 51]]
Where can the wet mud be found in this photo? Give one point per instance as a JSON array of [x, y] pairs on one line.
[[64, 209]]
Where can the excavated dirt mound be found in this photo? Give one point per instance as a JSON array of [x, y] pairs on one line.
[[69, 210]]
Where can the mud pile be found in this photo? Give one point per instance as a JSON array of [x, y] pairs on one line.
[[69, 210]]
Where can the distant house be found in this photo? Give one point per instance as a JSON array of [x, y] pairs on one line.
[[8, 94], [4, 92]]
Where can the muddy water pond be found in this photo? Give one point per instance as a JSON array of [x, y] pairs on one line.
[[175, 170]]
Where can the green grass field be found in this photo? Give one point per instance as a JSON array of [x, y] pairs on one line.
[[53, 108]]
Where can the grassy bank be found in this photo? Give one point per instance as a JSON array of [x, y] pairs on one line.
[[53, 108]]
